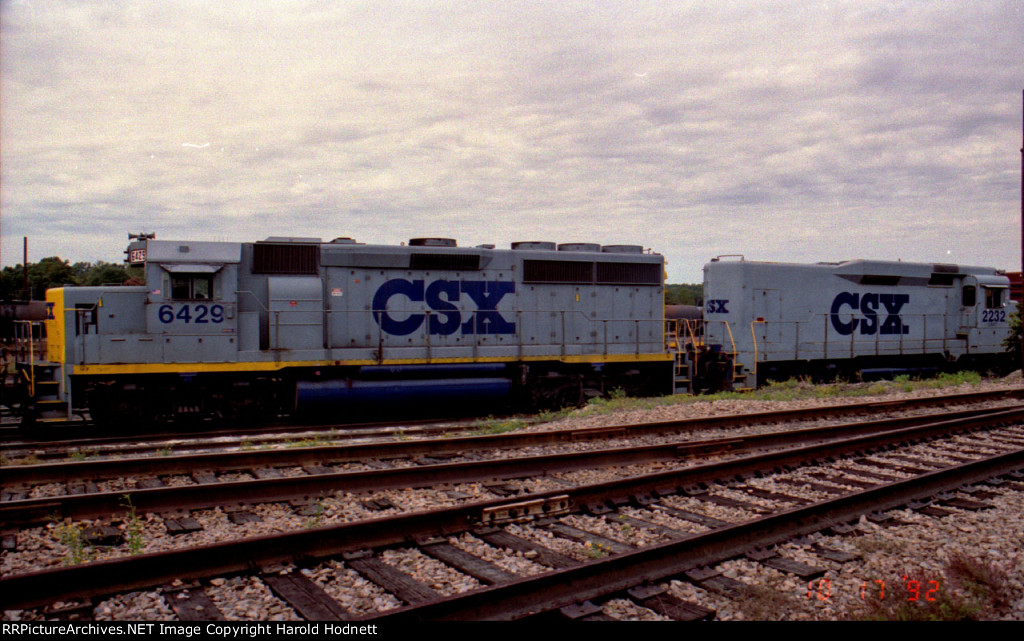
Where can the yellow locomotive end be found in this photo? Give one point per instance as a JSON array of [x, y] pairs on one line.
[[55, 336]]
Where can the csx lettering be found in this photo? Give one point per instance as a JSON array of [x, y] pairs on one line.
[[441, 296], [869, 305], [717, 306]]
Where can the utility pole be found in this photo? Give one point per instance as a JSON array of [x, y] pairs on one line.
[[26, 291]]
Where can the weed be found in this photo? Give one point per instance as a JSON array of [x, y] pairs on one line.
[[877, 389], [308, 442], [499, 426], [82, 455], [596, 550], [549, 416], [316, 519], [71, 536], [984, 581], [133, 532], [876, 544], [165, 451], [767, 602], [617, 400], [625, 528], [249, 445]]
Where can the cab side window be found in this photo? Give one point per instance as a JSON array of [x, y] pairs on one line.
[[191, 287], [993, 298], [970, 298]]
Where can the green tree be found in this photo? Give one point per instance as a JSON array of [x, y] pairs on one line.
[[57, 272], [11, 279], [1012, 342], [104, 274], [684, 294], [52, 271]]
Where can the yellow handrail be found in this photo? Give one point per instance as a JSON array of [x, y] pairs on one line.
[[753, 335], [21, 339]]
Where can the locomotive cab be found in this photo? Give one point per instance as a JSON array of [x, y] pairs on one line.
[[984, 312], [191, 301]]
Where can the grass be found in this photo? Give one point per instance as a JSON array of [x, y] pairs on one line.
[[309, 442], [791, 390], [984, 581], [490, 426], [31, 459], [770, 601], [877, 544], [549, 416]]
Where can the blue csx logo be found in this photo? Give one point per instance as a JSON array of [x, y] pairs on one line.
[[440, 296], [868, 305], [717, 306]]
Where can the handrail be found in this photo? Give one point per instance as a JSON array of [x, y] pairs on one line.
[[732, 340], [25, 344], [753, 335]]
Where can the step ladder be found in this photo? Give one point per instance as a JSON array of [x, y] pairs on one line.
[[49, 405], [41, 381], [680, 333]]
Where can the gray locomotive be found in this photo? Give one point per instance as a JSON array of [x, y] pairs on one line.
[[875, 319], [297, 326], [301, 326]]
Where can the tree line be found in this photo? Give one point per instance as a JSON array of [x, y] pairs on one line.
[[684, 295], [54, 271]]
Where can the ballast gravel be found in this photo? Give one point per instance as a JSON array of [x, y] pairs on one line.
[[921, 550]]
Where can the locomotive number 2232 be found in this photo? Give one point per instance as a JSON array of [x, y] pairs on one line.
[[198, 314]]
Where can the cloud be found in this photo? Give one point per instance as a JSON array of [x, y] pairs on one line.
[[845, 125]]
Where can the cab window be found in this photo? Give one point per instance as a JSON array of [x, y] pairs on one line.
[[970, 298], [993, 297], [191, 287]]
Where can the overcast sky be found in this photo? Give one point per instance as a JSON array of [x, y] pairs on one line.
[[785, 131]]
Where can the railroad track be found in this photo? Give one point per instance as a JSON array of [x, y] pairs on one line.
[[79, 446], [902, 473], [318, 472], [164, 443]]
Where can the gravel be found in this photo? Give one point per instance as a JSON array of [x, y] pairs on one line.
[[922, 550]]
